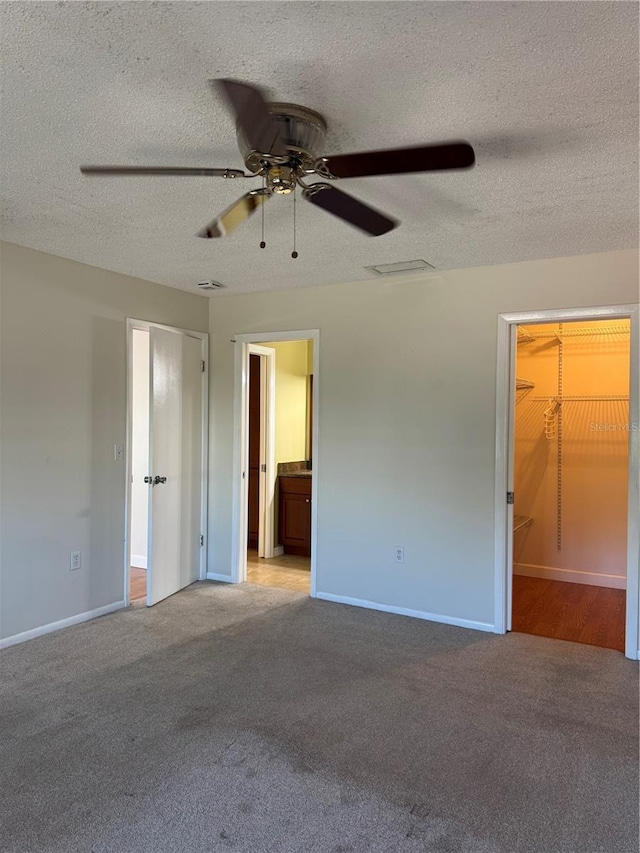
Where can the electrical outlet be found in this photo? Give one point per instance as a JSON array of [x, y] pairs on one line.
[[399, 554], [118, 452], [76, 560]]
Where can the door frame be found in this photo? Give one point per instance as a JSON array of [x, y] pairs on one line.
[[504, 471], [267, 487], [239, 521], [145, 325]]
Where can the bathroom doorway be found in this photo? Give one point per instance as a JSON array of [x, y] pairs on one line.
[[277, 411]]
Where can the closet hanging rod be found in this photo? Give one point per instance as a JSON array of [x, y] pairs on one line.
[[580, 333], [571, 398]]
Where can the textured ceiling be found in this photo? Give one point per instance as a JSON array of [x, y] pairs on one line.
[[546, 92]]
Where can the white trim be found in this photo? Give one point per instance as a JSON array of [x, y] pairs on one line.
[[62, 623], [212, 576], [504, 456], [138, 561], [145, 325], [632, 631], [240, 443], [267, 491], [570, 575], [405, 611], [204, 486]]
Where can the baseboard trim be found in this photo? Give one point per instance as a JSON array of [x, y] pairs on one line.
[[278, 551], [405, 611], [212, 576], [138, 561], [570, 576], [63, 623]]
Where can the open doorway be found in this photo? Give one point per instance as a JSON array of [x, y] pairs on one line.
[[167, 415], [567, 444], [280, 417], [571, 481], [276, 446]]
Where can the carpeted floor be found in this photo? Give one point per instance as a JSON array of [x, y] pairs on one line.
[[256, 720]]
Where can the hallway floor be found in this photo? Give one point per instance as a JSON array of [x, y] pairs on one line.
[[137, 584]]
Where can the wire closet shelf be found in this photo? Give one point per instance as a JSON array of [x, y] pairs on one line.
[[552, 415]]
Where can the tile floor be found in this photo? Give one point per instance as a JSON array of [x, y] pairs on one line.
[[285, 572]]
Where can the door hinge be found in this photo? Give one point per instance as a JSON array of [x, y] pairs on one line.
[[510, 497], [201, 541], [204, 367], [263, 468]]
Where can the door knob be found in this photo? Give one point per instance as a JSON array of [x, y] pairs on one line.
[[157, 480], [148, 479]]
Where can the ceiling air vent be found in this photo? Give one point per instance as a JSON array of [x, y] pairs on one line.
[[209, 284], [402, 266]]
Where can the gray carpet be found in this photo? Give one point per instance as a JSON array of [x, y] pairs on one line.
[[247, 719]]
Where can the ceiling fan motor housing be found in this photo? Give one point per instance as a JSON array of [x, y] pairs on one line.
[[302, 131]]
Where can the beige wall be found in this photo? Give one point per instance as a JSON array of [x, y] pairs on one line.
[[594, 461], [292, 370], [63, 408], [405, 376]]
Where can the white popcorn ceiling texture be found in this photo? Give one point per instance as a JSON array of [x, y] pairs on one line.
[[546, 92]]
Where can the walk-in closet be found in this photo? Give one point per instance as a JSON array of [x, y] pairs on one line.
[[570, 481]]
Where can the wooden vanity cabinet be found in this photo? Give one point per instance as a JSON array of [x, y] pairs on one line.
[[294, 515]]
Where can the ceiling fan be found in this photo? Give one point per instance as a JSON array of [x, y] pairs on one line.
[[279, 143]]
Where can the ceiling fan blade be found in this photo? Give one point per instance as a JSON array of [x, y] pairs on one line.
[[162, 170], [350, 209], [252, 114], [396, 161], [235, 215]]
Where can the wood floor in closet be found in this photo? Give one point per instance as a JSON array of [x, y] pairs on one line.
[[593, 615]]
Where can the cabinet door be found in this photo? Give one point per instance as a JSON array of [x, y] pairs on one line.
[[295, 520]]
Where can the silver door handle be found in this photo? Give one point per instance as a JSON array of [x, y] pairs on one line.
[[157, 480]]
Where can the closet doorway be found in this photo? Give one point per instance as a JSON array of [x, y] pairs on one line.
[[571, 526]]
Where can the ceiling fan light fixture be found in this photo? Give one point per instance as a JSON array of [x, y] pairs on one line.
[[400, 267], [280, 143]]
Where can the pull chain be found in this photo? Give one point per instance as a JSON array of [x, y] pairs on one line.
[[262, 243], [294, 254]]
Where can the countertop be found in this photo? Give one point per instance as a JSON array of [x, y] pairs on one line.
[[295, 469]]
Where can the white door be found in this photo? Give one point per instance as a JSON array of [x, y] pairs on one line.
[[175, 462]]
